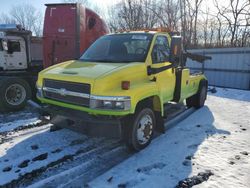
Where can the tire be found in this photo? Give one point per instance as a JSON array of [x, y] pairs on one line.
[[138, 129], [14, 94], [198, 100]]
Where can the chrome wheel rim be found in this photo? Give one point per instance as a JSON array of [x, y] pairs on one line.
[[15, 94], [144, 129]]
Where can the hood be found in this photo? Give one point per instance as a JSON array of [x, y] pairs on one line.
[[109, 83], [83, 69], [79, 71]]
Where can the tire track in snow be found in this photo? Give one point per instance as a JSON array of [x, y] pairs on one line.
[[80, 162], [90, 150], [87, 171], [58, 157], [98, 162], [86, 157], [23, 129]]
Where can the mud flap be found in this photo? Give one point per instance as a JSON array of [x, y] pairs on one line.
[[159, 123], [177, 91]]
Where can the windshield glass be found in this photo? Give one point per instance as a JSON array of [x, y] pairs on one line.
[[119, 48]]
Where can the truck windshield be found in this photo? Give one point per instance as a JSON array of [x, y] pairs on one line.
[[119, 48]]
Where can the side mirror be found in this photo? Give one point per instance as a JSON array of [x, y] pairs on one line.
[[5, 45], [175, 49]]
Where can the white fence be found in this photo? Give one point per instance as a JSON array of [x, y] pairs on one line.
[[229, 67]]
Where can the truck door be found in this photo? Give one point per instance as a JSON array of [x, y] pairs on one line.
[[16, 58], [162, 70]]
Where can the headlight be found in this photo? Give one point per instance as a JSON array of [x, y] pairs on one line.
[[110, 103]]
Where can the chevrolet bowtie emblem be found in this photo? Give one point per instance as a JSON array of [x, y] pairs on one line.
[[63, 91]]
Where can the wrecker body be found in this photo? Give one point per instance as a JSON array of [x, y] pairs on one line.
[[129, 78]]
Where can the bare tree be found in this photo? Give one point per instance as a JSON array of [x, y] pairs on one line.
[[131, 14], [232, 15], [134, 14], [183, 13], [196, 11], [151, 18], [169, 14], [38, 25], [230, 26], [6, 19], [25, 15], [205, 30]]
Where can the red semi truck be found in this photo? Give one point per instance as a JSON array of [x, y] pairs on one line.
[[69, 29]]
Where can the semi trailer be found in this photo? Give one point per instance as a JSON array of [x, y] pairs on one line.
[[69, 29]]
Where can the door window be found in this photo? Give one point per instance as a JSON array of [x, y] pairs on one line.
[[91, 23], [161, 50], [14, 46]]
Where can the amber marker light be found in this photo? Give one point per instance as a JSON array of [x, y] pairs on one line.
[[125, 85]]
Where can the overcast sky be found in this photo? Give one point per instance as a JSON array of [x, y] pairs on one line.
[[6, 5]]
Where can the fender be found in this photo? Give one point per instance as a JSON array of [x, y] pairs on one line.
[[156, 100]]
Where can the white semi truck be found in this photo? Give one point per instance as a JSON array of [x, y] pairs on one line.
[[20, 62]]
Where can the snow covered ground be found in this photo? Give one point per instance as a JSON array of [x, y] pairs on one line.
[[31, 154], [14, 120], [215, 138], [213, 142]]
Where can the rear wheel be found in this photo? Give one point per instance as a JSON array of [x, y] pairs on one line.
[[14, 94], [139, 129], [198, 100]]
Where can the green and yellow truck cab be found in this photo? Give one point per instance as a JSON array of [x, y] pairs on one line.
[[126, 79]]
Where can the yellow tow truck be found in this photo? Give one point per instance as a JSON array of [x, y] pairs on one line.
[[124, 79]]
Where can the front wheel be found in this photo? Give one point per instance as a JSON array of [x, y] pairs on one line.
[[139, 129]]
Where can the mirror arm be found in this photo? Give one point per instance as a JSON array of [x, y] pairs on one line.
[[151, 70]]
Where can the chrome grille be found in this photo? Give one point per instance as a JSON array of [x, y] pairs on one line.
[[69, 92]]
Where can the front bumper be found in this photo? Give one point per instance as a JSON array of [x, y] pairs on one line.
[[106, 126], [88, 110], [93, 104]]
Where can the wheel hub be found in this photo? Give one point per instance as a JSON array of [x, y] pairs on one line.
[[145, 129], [15, 94]]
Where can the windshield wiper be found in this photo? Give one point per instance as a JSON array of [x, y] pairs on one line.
[[105, 60]]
